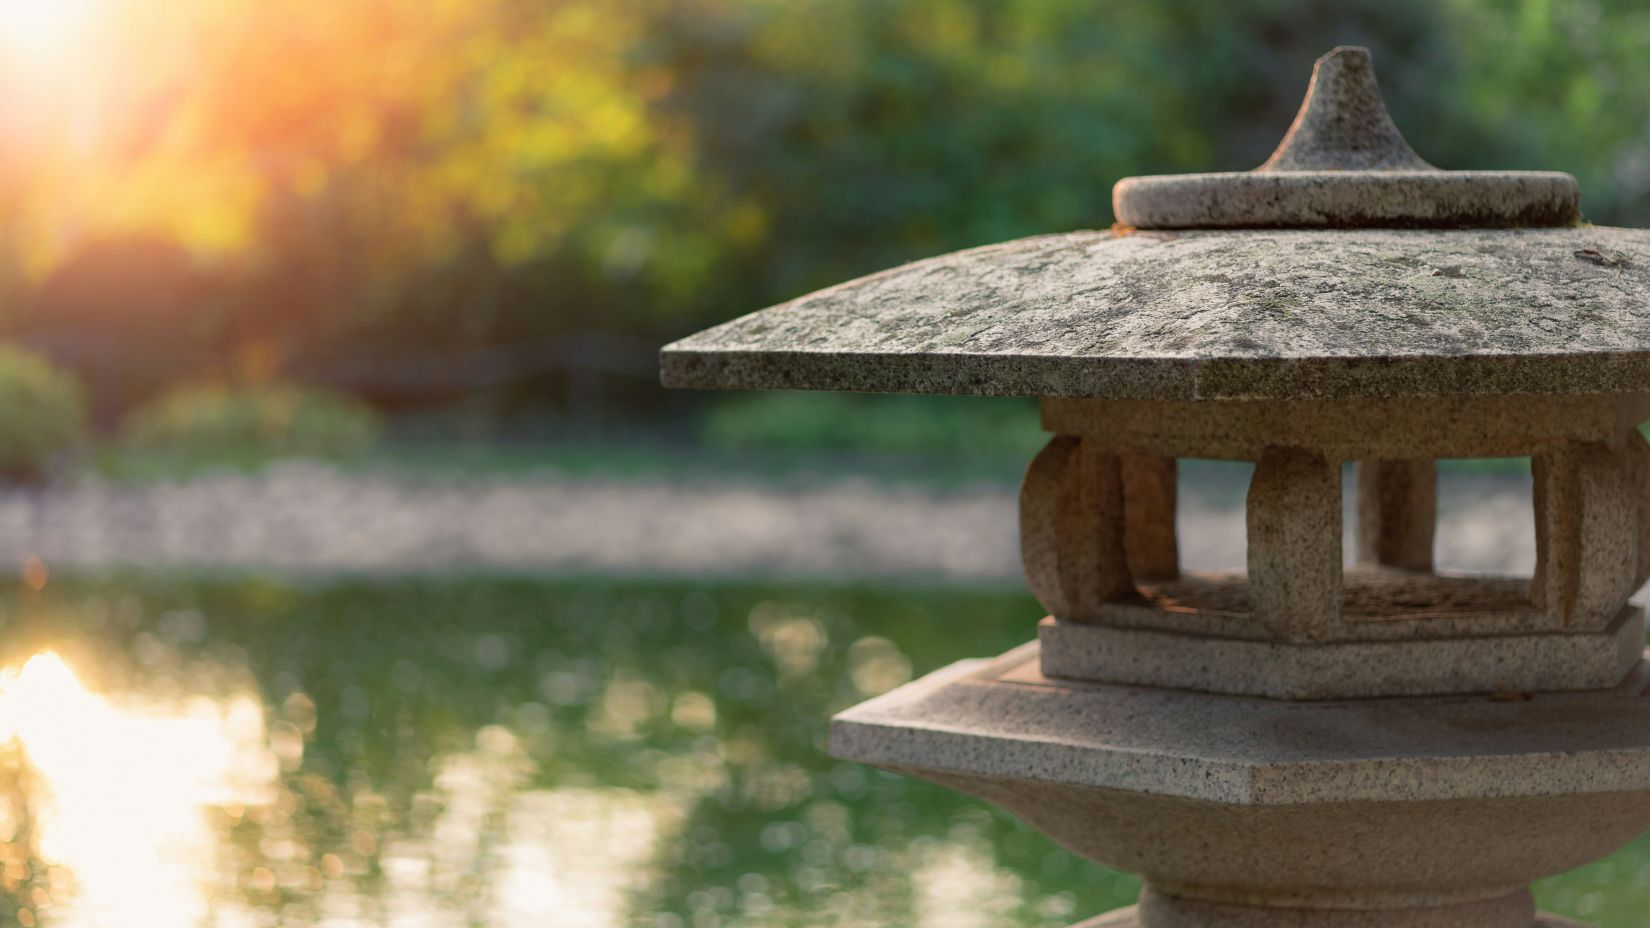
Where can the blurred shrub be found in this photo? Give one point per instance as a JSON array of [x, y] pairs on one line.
[[251, 423], [125, 314], [42, 413]]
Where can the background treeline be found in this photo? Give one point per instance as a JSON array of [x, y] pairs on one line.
[[521, 199]]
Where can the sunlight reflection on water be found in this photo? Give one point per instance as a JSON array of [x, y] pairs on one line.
[[115, 805], [117, 798], [504, 755]]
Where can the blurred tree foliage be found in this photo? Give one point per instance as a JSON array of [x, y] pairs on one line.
[[371, 178]]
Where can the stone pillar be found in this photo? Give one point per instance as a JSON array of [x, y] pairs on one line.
[[1071, 529], [1397, 513], [1636, 463], [1294, 524], [1149, 489], [1585, 514]]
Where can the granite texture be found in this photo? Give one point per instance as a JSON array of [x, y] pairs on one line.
[[1487, 664], [1414, 862], [1343, 124], [1397, 512], [1211, 315], [1002, 718], [1586, 534], [1294, 531], [1377, 604], [1072, 529], [1433, 813], [1350, 429], [1150, 544], [1636, 460], [1348, 200], [1590, 503], [1343, 164]]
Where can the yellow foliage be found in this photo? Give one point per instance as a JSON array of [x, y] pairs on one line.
[[440, 115]]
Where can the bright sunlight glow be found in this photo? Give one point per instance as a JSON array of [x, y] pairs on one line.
[[138, 842], [43, 30]]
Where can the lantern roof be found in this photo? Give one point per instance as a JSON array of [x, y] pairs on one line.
[[1345, 266]]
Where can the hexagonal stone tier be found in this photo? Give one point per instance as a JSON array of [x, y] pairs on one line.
[[1429, 812], [1003, 718]]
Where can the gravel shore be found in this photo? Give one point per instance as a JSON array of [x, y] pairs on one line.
[[311, 519]]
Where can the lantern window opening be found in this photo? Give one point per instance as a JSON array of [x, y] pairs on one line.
[[1485, 516], [1209, 514]]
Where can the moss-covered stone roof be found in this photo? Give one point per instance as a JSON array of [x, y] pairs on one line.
[[1214, 315]]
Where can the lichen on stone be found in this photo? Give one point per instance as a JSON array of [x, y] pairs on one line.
[[1214, 314]]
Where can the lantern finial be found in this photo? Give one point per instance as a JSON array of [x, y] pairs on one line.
[[1344, 165], [1343, 123]]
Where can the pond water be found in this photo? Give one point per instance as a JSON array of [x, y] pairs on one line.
[[511, 752]]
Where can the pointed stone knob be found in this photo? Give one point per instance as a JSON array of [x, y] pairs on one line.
[[1343, 123], [1343, 164]]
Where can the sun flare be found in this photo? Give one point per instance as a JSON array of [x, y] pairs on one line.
[[43, 29], [137, 842]]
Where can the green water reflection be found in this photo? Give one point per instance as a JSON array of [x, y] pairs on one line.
[[510, 752]]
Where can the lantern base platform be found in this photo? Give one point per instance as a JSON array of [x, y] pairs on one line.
[[1413, 812], [1345, 669], [1131, 917], [1004, 719]]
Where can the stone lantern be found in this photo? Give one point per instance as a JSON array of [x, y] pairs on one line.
[[1304, 744]]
